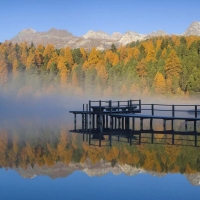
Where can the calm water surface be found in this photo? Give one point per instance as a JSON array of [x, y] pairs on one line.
[[40, 159]]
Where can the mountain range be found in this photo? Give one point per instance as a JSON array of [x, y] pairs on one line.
[[99, 39], [99, 169]]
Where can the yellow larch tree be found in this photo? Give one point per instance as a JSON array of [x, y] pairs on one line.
[[64, 72], [164, 53], [173, 65], [141, 68], [151, 56], [54, 59], [130, 52], [67, 57], [122, 53], [49, 50], [30, 60], [38, 58], [159, 83], [93, 58], [84, 54], [136, 53]]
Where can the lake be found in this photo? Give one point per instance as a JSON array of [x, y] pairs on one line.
[[41, 159]]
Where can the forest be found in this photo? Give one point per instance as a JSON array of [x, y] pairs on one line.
[[168, 65]]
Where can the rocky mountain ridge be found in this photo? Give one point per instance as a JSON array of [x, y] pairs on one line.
[[99, 39], [62, 170], [99, 169]]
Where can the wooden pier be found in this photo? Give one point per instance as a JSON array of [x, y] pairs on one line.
[[103, 120]]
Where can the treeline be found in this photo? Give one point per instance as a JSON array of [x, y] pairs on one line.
[[161, 65], [46, 148]]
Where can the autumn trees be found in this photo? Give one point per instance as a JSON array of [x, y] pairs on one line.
[[169, 62]]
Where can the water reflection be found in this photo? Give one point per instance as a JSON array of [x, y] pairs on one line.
[[53, 151]]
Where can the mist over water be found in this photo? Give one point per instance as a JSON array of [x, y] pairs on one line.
[[53, 108]]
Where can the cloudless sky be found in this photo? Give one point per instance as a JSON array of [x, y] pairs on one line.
[[80, 16]]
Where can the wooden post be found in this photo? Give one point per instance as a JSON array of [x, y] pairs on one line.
[[141, 123], [75, 122], [152, 137], [164, 124], [106, 121], [122, 123], [152, 109], [127, 123], [186, 126], [173, 111], [83, 122], [195, 111], [93, 121], [111, 122], [133, 123], [119, 122], [140, 105], [110, 106], [151, 124]]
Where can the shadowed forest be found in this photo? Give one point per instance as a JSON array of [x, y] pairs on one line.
[[168, 65]]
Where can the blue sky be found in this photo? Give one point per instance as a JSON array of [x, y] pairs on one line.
[[80, 16]]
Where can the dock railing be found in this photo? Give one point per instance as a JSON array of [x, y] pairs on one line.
[[133, 106], [171, 110]]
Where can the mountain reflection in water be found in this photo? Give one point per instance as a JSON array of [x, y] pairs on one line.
[[54, 152]]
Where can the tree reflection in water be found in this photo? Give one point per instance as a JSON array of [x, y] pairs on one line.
[[47, 148]]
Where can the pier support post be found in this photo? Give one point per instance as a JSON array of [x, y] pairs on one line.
[[164, 124], [133, 123], [106, 121], [186, 129], [111, 122], [141, 123], [93, 121], [122, 123], [152, 109], [127, 123], [151, 124], [75, 122]]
